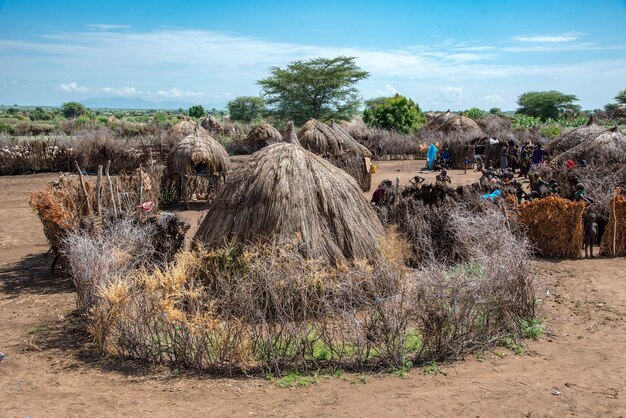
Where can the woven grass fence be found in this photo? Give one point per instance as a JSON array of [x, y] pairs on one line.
[[554, 226], [614, 238]]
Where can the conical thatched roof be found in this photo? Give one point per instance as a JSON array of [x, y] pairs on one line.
[[464, 126], [291, 137], [437, 121], [607, 149], [261, 136], [574, 137], [494, 126], [198, 149], [329, 140], [210, 123], [288, 192], [183, 129]]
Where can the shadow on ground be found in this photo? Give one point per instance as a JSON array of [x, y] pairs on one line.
[[31, 275]]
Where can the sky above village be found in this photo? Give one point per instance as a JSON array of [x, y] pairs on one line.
[[442, 54]]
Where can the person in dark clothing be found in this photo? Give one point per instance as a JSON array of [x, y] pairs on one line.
[[446, 158], [520, 193], [417, 180], [538, 155], [379, 194], [591, 231]]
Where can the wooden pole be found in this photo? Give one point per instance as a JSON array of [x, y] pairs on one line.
[[106, 170], [98, 191], [83, 188], [140, 185], [614, 225]]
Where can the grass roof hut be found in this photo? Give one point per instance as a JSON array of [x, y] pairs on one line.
[[285, 191], [462, 125], [574, 137], [197, 155], [607, 149], [463, 136], [437, 121], [337, 146], [261, 136], [182, 130], [211, 124]]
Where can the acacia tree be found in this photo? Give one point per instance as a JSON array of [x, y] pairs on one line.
[[196, 111], [320, 88], [246, 108], [546, 104], [73, 109], [621, 97]]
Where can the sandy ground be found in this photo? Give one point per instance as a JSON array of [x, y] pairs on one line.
[[577, 369]]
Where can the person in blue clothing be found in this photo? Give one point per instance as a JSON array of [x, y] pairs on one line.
[[446, 158]]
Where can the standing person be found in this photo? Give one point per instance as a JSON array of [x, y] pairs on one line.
[[520, 193], [379, 194], [538, 155], [504, 158], [591, 231], [443, 179], [446, 157]]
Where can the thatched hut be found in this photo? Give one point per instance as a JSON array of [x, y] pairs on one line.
[[606, 149], [197, 155], [337, 146], [182, 130], [574, 137], [495, 126], [437, 121], [211, 124], [261, 136], [286, 192], [462, 125]]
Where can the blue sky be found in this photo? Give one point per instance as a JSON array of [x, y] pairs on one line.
[[452, 54]]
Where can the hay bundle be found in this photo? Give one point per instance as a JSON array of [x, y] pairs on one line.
[[495, 126], [574, 137], [261, 136], [182, 130], [211, 124], [614, 238], [607, 149], [286, 192], [554, 226], [337, 146], [437, 121]]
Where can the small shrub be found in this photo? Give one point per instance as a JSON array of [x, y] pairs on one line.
[[532, 328]]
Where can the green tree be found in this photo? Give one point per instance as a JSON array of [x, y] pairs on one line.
[[73, 109], [611, 107], [196, 111], [621, 97], [39, 114], [495, 111], [246, 108], [397, 113], [321, 88], [546, 104], [474, 113]]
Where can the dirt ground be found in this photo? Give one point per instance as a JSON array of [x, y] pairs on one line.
[[578, 368]]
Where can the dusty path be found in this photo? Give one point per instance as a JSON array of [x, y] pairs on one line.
[[47, 374]]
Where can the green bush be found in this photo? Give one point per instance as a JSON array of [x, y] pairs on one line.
[[397, 113], [474, 113], [521, 121], [196, 111], [551, 131], [73, 109]]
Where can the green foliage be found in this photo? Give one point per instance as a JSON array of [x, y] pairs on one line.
[[196, 111], [532, 329], [398, 113], [551, 131], [521, 121], [546, 104], [621, 97], [611, 107], [295, 379], [246, 108], [39, 114], [431, 368], [321, 88], [495, 111], [510, 343], [474, 113], [73, 109], [5, 127], [413, 341], [160, 118]]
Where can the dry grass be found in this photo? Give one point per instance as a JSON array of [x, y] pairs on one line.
[[614, 238]]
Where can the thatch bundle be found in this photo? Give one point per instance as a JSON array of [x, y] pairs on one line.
[[261, 136], [554, 226], [285, 192], [210, 123], [614, 237], [495, 126], [460, 149], [182, 130], [608, 149], [574, 137], [337, 146], [198, 153], [462, 125]]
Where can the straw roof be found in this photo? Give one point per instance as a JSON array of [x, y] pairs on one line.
[[291, 137], [182, 130], [210, 123], [464, 126], [261, 136], [195, 149], [608, 148], [329, 140], [439, 120], [574, 137], [284, 191]]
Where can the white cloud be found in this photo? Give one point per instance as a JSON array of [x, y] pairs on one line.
[[72, 88], [493, 99], [563, 37], [121, 91], [450, 95], [105, 26], [177, 94], [387, 90]]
